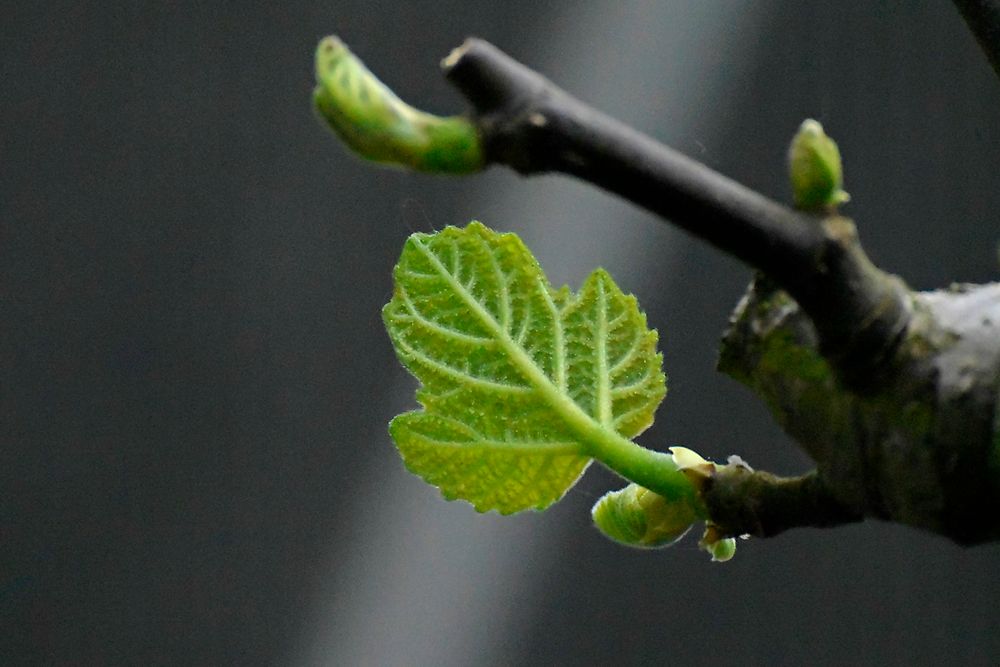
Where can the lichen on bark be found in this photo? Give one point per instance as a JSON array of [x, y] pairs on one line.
[[907, 447]]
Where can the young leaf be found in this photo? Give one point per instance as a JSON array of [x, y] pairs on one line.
[[379, 126], [522, 384], [637, 517]]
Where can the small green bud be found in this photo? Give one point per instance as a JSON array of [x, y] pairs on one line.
[[637, 517], [723, 550], [815, 169], [719, 548]]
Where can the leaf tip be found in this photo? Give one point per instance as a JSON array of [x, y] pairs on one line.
[[601, 275], [477, 227]]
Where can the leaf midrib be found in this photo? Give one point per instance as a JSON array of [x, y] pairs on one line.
[[585, 426]]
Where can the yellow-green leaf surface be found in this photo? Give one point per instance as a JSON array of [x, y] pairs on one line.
[[521, 383]]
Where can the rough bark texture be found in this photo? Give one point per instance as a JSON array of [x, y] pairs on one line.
[[920, 445]]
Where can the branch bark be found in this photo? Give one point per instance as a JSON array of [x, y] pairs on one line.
[[754, 502], [983, 19]]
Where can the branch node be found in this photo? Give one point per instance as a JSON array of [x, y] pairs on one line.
[[746, 502]]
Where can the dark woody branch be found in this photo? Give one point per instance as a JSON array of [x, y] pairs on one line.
[[531, 125], [754, 502], [983, 19]]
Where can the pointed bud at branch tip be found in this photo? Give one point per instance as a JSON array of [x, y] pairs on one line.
[[815, 170]]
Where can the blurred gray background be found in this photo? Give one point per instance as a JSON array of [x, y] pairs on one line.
[[195, 383]]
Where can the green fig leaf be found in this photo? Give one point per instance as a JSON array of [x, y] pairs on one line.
[[522, 384]]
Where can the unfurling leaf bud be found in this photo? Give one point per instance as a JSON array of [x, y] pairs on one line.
[[815, 170], [640, 518], [379, 126]]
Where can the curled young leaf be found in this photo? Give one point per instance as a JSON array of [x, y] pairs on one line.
[[379, 126], [637, 517]]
